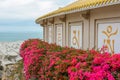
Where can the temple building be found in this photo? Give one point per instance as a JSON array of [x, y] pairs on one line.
[[84, 24]]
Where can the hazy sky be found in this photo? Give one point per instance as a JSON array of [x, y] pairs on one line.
[[20, 15]]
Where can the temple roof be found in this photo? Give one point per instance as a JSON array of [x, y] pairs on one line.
[[79, 5]]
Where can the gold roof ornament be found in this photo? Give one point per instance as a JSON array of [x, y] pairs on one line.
[[79, 5]]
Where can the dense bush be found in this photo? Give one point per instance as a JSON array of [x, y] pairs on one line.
[[45, 61]]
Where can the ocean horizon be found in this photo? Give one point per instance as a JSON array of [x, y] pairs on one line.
[[19, 36]]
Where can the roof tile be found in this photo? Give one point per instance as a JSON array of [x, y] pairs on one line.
[[78, 5]]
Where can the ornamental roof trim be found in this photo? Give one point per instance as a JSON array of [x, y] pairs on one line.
[[77, 6]]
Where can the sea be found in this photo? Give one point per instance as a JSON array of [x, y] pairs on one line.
[[19, 36]]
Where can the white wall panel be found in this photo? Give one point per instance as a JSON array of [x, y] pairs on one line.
[[50, 35], [109, 35], [76, 36], [59, 34]]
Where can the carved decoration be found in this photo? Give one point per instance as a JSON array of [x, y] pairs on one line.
[[108, 42], [63, 19], [51, 21], [76, 36], [44, 23], [86, 15], [107, 37]]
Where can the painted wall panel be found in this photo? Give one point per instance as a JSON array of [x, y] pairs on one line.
[[59, 36], [77, 18], [50, 35], [76, 36], [45, 34], [103, 14], [109, 35]]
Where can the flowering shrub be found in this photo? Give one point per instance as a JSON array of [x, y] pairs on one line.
[[45, 61]]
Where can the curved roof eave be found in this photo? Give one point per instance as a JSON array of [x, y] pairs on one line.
[[72, 8]]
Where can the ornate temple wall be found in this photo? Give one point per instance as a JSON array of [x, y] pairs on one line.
[[99, 27]]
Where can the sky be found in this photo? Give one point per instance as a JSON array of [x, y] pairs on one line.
[[20, 15]]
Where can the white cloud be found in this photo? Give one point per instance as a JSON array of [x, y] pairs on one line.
[[27, 9], [14, 3], [22, 8]]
